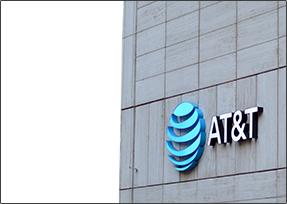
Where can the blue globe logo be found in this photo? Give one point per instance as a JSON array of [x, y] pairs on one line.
[[187, 118]]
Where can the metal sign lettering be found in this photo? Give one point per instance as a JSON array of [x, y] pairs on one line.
[[233, 126]]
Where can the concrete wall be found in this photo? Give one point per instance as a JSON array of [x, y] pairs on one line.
[[223, 56]]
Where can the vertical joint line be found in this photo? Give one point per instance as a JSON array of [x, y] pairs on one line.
[[278, 84], [164, 100], [165, 30], [278, 34], [133, 153], [148, 135], [236, 47], [134, 87], [198, 74], [236, 90], [216, 145], [256, 82]]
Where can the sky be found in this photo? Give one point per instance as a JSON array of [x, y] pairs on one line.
[[60, 101]]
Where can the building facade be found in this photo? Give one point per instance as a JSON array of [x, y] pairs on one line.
[[223, 56]]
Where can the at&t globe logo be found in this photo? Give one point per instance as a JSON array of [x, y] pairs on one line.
[[187, 118]]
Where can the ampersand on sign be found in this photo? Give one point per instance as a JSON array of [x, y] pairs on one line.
[[240, 129]]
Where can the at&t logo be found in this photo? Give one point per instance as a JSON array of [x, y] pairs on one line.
[[188, 118], [234, 126]]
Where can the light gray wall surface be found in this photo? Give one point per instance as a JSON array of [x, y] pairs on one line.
[[224, 56]]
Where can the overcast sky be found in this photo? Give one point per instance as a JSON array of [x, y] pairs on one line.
[[60, 101]]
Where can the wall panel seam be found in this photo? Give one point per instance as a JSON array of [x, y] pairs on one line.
[[208, 178], [134, 102], [146, 5], [233, 52], [277, 87], [259, 73]]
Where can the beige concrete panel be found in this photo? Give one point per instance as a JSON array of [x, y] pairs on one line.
[[141, 146]]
